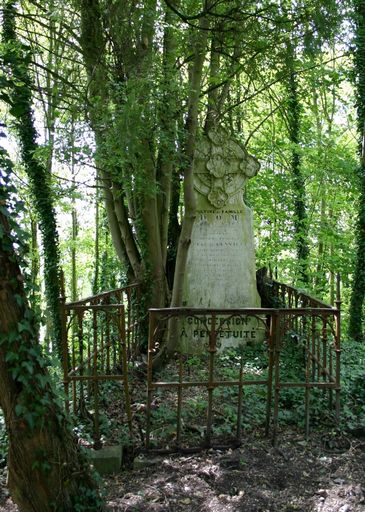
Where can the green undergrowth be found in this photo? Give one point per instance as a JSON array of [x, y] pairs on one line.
[[353, 385], [194, 400]]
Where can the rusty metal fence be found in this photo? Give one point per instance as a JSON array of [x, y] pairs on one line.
[[307, 329], [99, 337], [201, 399]]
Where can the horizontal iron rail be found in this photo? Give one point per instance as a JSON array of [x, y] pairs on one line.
[[236, 311], [301, 294], [82, 307], [103, 295], [215, 384], [94, 377], [314, 384]]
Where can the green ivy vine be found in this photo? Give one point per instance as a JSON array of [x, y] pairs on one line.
[[16, 58]]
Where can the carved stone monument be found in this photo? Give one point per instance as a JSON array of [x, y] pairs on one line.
[[221, 261]]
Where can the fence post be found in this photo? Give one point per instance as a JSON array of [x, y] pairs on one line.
[[123, 341], [63, 315], [338, 346], [276, 352], [271, 339], [151, 346]]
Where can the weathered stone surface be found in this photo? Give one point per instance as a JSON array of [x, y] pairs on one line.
[[221, 261], [142, 462], [107, 460]]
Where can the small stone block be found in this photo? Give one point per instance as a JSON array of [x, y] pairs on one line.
[[107, 460], [142, 462]]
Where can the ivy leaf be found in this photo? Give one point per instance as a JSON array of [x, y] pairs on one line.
[[24, 325], [30, 419], [19, 409], [19, 299], [17, 110], [29, 366], [11, 356], [43, 380]]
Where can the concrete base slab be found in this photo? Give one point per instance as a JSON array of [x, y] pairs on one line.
[[107, 460]]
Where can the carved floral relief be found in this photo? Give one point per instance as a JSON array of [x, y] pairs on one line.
[[221, 167]]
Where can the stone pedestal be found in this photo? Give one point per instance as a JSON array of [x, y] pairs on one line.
[[107, 460], [221, 261]]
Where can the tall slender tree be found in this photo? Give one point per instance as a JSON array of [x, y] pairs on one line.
[[300, 214], [16, 58], [358, 287], [47, 471]]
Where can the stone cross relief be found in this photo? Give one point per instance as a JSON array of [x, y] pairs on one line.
[[221, 167]]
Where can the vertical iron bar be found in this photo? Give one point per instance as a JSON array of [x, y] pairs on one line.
[[133, 323], [240, 400], [97, 441], [80, 335], [128, 293], [210, 387], [338, 346], [330, 371], [74, 385], [123, 346], [151, 349], [276, 348], [179, 402], [89, 371], [102, 348], [313, 347], [307, 380], [271, 341], [107, 335], [65, 355], [318, 349], [324, 350]]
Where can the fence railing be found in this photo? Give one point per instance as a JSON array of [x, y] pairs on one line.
[[99, 337], [204, 397], [291, 297], [310, 335]]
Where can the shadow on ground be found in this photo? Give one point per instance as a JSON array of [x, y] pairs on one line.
[[321, 475]]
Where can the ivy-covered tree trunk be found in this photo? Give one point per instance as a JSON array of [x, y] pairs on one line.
[[358, 286], [95, 286], [17, 58], [300, 214], [47, 471]]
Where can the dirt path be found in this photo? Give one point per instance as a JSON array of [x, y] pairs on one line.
[[323, 475], [297, 476]]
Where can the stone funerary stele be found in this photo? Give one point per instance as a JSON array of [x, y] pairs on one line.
[[221, 260]]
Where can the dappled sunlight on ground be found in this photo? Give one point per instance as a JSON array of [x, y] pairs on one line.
[[296, 476]]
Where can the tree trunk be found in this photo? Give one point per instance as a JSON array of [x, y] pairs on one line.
[[300, 214], [18, 59], [139, 247], [189, 193], [35, 295], [358, 285], [46, 469], [95, 287]]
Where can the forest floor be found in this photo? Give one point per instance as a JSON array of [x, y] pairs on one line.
[[325, 474]]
